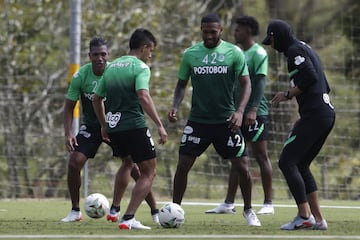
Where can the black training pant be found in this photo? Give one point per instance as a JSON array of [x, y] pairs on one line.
[[304, 143]]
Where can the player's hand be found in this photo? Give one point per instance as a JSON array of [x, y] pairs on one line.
[[104, 135], [163, 135], [70, 142], [250, 118], [279, 97], [172, 115], [235, 121]]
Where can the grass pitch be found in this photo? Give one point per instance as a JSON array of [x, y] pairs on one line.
[[40, 219]]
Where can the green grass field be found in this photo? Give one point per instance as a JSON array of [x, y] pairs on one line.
[[40, 219]]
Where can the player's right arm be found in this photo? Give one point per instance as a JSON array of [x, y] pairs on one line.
[[72, 97], [179, 94], [70, 139]]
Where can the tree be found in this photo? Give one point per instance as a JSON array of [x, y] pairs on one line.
[[30, 46]]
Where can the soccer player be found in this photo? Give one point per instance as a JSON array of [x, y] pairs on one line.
[[308, 84], [254, 126], [214, 66], [88, 140], [126, 86]]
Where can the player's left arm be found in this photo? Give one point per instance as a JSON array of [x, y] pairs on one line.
[[146, 102], [236, 119], [257, 92], [260, 67], [301, 72], [241, 71], [148, 106]]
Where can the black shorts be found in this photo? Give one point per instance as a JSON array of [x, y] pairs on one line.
[[89, 140], [136, 142], [197, 137], [258, 131]]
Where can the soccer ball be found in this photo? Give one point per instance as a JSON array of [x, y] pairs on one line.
[[96, 205], [171, 215]]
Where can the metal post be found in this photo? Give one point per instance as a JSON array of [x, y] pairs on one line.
[[75, 47]]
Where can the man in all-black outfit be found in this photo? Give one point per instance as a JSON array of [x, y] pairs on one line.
[[317, 116]]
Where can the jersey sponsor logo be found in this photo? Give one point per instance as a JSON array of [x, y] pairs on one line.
[[185, 137], [326, 99], [113, 118], [299, 60], [83, 132], [210, 70], [193, 139], [119, 65]]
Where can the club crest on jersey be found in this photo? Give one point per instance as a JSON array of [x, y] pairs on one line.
[[221, 57], [113, 118], [326, 99], [299, 60], [89, 96]]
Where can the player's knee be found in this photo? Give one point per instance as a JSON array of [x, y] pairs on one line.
[[284, 165], [183, 167], [76, 163]]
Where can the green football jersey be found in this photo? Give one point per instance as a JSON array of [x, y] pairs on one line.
[[83, 85], [257, 62], [120, 83], [213, 72]]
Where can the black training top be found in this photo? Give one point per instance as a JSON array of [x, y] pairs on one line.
[[305, 70]]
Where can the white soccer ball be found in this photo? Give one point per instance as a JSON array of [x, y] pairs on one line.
[[96, 205], [171, 215]]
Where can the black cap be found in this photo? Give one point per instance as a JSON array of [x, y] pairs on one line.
[[279, 29], [266, 40]]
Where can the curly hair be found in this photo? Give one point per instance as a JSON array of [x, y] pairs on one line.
[[250, 22]]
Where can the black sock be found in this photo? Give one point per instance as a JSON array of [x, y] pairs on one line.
[[128, 216], [116, 208], [228, 202], [305, 218], [76, 209], [154, 211]]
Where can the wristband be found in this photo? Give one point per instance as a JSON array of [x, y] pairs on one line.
[[287, 94]]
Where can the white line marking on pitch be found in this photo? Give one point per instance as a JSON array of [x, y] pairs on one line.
[[175, 237], [260, 205]]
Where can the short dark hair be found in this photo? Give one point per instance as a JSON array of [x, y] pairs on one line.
[[140, 37], [250, 22], [96, 42], [210, 18]]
